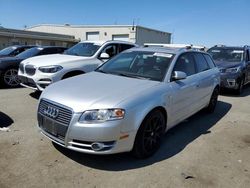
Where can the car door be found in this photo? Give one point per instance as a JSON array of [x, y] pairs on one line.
[[206, 80], [185, 93]]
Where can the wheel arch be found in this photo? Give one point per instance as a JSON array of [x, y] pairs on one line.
[[161, 109], [72, 73]]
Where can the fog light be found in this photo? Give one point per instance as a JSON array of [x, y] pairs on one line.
[[231, 82], [97, 146]]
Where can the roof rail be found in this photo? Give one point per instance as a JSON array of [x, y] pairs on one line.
[[219, 45], [186, 46]]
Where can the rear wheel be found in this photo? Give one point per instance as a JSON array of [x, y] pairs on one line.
[[213, 101], [10, 78], [149, 135]]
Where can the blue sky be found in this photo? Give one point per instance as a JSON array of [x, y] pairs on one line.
[[205, 22]]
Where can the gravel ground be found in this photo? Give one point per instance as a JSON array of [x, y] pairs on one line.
[[203, 151]]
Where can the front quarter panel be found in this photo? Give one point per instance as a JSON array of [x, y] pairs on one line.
[[137, 107]]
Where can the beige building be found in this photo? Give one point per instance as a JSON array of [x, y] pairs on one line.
[[10, 37], [135, 34]]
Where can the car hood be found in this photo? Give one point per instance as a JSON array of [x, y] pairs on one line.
[[95, 91], [54, 59], [226, 64]]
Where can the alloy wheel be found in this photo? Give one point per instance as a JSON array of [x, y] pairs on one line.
[[11, 78], [152, 134]]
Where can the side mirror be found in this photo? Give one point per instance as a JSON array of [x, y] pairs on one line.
[[179, 75], [104, 56]]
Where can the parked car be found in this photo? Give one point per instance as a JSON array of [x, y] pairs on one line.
[[234, 65], [12, 51], [129, 102], [9, 65], [83, 57]]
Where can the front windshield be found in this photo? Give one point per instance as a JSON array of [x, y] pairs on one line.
[[7, 51], [138, 64], [83, 49], [227, 54], [29, 53]]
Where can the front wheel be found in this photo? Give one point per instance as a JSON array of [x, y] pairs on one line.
[[213, 101], [149, 135], [239, 90], [10, 78]]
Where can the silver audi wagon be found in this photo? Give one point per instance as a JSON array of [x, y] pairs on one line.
[[129, 102]]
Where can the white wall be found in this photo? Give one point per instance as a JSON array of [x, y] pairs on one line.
[[144, 35]]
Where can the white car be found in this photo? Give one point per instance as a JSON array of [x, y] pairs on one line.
[[39, 72]]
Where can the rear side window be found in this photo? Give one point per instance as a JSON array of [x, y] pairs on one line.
[[125, 47], [201, 62], [185, 63], [209, 61]]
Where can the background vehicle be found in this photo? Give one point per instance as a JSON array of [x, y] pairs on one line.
[[129, 102], [81, 58], [9, 65], [234, 65], [14, 50]]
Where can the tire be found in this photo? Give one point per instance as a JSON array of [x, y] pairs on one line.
[[149, 135], [213, 101], [239, 90], [10, 78]]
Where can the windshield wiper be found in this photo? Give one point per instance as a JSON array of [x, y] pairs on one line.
[[130, 75]]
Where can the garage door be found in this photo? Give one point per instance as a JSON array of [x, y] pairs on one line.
[[92, 36], [120, 37]]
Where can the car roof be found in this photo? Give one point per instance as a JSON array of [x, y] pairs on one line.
[[49, 47], [164, 50], [101, 42]]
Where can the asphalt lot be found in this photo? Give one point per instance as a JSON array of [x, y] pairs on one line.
[[203, 151]]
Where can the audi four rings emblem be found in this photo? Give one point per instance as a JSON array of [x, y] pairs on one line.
[[51, 112]]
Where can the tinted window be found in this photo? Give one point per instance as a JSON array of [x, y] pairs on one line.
[[125, 47], [8, 50], [209, 60], [185, 63], [201, 63], [248, 56], [110, 49], [30, 53]]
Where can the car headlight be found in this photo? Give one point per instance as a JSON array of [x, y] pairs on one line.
[[50, 69], [101, 115], [232, 70]]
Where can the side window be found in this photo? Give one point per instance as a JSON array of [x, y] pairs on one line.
[[201, 63], [125, 47], [111, 50], [209, 61], [46, 51], [185, 63], [248, 56], [59, 50]]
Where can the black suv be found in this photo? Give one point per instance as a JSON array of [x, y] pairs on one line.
[[9, 65], [234, 65]]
